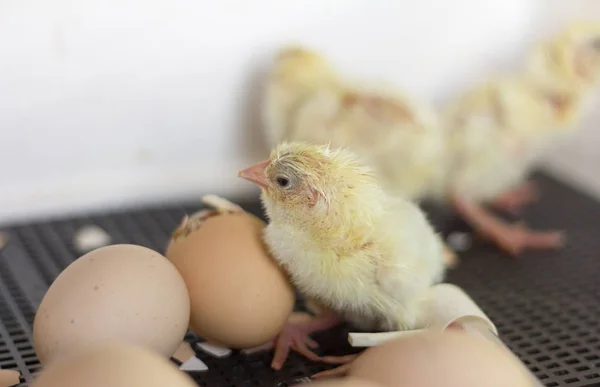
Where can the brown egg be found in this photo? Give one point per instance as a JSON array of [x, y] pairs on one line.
[[114, 365], [434, 359], [239, 295], [121, 293], [343, 382]]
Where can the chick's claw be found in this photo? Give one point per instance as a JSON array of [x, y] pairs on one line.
[[516, 238], [297, 338], [512, 238]]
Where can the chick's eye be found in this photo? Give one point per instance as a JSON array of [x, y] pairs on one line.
[[282, 181]]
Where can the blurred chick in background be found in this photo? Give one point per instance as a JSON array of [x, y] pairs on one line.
[[498, 130], [477, 154], [367, 257], [570, 60], [400, 138]]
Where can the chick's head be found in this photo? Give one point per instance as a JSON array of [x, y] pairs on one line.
[[571, 58], [301, 68], [311, 182]]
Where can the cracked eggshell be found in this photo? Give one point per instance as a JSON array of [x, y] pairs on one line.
[[113, 365], [119, 293], [240, 297]]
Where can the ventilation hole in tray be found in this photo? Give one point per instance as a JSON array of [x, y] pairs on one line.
[[24, 347], [20, 339], [6, 357], [28, 352], [32, 362]]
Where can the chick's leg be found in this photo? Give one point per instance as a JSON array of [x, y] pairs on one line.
[[513, 238], [514, 200], [295, 335]]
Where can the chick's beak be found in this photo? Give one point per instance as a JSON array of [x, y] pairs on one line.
[[256, 173]]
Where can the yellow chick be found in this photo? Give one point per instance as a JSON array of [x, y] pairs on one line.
[[364, 255], [570, 59], [497, 132], [398, 137], [297, 75]]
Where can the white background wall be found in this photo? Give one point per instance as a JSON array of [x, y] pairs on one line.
[[110, 103]]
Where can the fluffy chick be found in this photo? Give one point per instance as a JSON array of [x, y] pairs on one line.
[[498, 131], [364, 255], [569, 59], [398, 137]]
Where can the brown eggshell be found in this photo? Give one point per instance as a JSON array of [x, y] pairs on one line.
[[113, 365], [121, 293], [239, 295], [433, 359]]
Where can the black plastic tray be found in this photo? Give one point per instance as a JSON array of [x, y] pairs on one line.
[[545, 304]]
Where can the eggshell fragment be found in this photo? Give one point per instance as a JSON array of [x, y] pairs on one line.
[[118, 293], [239, 295], [433, 359], [193, 364], [183, 352], [214, 350], [89, 238], [114, 365]]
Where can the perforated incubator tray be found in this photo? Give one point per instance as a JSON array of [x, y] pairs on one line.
[[545, 304]]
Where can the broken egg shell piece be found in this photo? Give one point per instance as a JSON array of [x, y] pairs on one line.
[[193, 364], [214, 350]]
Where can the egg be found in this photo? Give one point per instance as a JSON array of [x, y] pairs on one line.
[[122, 293], [343, 382], [114, 365], [433, 359], [240, 297]]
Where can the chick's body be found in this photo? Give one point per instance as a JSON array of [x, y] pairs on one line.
[[345, 242], [398, 137], [496, 132], [371, 268]]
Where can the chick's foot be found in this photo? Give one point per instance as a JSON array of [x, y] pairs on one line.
[[512, 238], [513, 201], [296, 336]]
